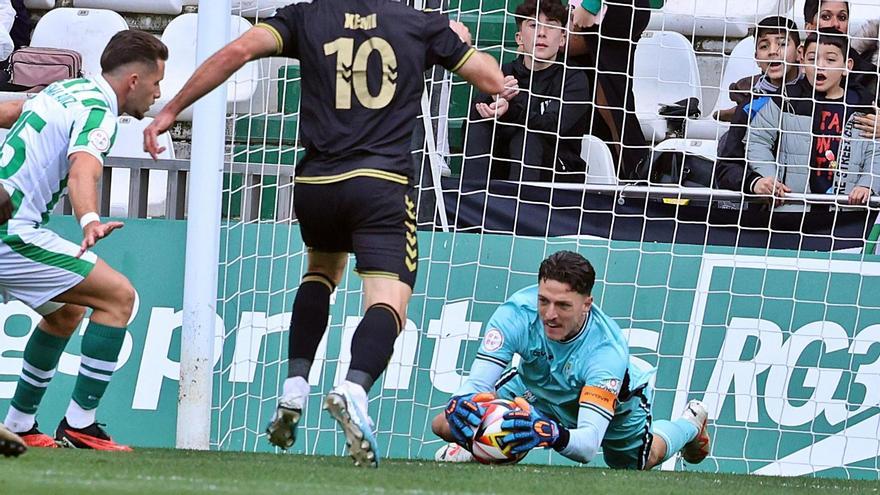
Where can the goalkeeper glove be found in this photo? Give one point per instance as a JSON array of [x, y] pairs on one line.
[[529, 429], [464, 413]]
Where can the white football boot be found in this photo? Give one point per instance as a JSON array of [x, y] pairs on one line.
[[281, 431], [347, 403], [697, 449], [453, 452]]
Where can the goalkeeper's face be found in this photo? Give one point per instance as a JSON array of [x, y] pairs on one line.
[[562, 310]]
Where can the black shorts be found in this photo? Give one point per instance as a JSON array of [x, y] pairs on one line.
[[373, 218]]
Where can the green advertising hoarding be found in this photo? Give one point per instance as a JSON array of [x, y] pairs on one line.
[[783, 347]]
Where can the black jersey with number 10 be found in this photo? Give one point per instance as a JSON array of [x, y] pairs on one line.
[[362, 64]]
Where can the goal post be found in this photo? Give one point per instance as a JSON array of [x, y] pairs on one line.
[[202, 240]]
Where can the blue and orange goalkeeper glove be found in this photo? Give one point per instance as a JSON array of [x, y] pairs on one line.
[[464, 413], [529, 429]]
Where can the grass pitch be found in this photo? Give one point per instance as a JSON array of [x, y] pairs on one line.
[[159, 471]]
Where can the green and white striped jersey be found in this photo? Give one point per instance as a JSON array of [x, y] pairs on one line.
[[66, 117]]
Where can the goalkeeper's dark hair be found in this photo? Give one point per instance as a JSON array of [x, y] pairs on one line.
[[569, 268], [779, 25], [829, 36], [811, 9], [553, 9], [130, 46]]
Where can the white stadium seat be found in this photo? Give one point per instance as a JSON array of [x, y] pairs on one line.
[[719, 18], [85, 30], [705, 148], [861, 11], [739, 64], [665, 71], [139, 6], [39, 4], [180, 37], [600, 162], [130, 144], [130, 139], [260, 9]]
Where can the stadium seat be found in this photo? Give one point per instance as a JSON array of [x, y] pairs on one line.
[[861, 11], [130, 144], [259, 8], [600, 163], [705, 148], [39, 4], [739, 64], [665, 71], [85, 30], [139, 6], [716, 18], [179, 35], [253, 8]]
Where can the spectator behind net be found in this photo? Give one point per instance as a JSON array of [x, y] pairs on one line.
[[815, 150], [607, 50], [776, 52], [534, 129]]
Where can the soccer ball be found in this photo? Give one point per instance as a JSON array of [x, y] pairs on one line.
[[488, 447]]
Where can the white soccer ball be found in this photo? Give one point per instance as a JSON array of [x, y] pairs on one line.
[[488, 445]]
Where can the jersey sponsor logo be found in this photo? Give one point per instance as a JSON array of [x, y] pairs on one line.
[[599, 397], [100, 140], [493, 340]]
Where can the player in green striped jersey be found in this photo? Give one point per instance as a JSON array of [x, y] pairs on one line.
[[58, 143]]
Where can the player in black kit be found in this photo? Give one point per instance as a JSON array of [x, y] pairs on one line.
[[362, 64]]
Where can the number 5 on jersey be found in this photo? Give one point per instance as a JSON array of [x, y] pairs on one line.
[[351, 71]]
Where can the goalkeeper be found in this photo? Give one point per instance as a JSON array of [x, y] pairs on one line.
[[576, 385]]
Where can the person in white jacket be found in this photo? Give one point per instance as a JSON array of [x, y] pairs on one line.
[[7, 18]]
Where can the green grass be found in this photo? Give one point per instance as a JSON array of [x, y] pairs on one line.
[[158, 471]]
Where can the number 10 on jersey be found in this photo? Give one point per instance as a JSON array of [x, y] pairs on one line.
[[351, 71]]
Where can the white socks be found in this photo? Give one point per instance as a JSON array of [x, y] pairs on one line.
[[77, 417], [295, 393], [19, 422]]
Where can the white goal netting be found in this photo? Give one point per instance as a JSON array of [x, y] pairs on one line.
[[767, 314]]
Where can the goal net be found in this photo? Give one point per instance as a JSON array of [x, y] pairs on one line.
[[767, 314]]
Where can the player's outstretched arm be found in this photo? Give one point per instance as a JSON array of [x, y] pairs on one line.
[[482, 70], [10, 111], [253, 44], [82, 187], [530, 429]]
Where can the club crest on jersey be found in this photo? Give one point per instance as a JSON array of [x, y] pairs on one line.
[[100, 140], [611, 385], [493, 340]]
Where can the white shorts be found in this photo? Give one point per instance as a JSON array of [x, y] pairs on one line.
[[36, 265]]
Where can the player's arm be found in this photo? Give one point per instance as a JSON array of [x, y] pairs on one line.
[[10, 111], [582, 443], [462, 412], [499, 344], [482, 70], [255, 43], [82, 188], [449, 44]]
